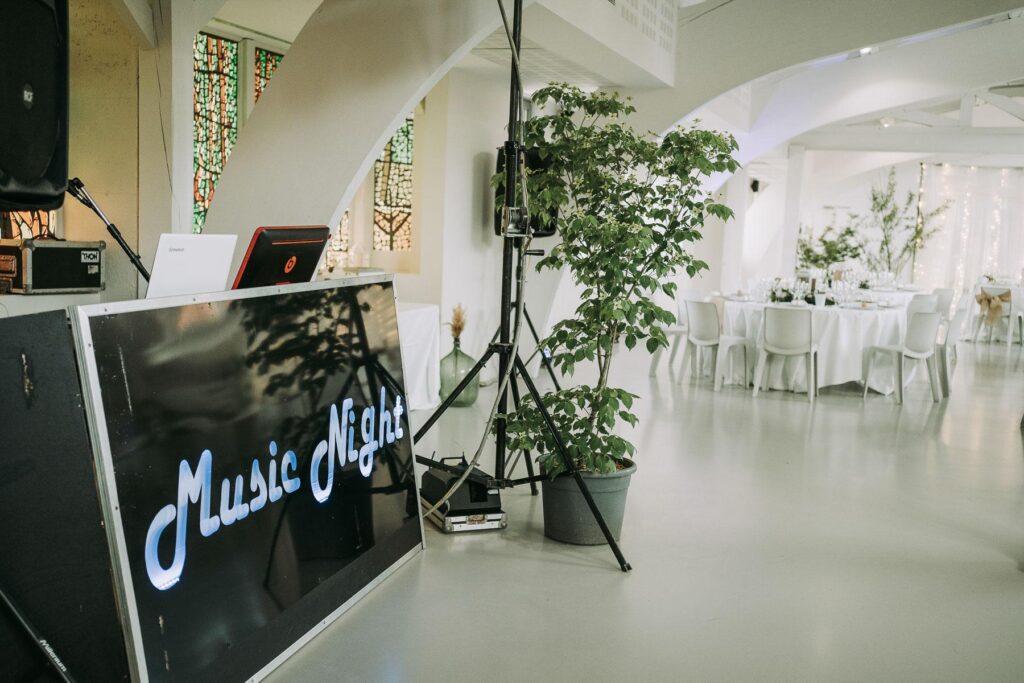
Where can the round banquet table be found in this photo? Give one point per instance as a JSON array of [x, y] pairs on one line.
[[842, 334]]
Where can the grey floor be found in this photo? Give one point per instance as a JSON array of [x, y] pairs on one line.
[[771, 541]]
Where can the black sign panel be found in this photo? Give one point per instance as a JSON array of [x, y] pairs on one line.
[[54, 562], [261, 465]]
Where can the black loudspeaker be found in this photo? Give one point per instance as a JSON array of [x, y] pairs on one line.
[[33, 104], [541, 224]]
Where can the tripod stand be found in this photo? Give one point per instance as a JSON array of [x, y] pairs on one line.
[[513, 385], [515, 229], [519, 373], [545, 357]]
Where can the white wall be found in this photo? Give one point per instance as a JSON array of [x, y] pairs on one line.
[[850, 192], [103, 135], [471, 259], [762, 244]]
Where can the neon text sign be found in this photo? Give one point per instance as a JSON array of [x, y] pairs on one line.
[[376, 428]]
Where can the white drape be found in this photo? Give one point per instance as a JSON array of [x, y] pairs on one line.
[[982, 231]]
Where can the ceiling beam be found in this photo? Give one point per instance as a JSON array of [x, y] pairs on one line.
[[1007, 104], [924, 118], [204, 11], [137, 15], [917, 140], [967, 104]]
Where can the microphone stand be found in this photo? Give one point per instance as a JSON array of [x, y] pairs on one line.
[[77, 190]]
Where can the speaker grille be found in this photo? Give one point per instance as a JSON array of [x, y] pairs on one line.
[[33, 103]]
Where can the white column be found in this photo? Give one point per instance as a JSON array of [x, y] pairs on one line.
[[246, 79], [791, 215], [736, 198], [165, 127]]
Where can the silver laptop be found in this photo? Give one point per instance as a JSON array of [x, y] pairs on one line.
[[191, 264]]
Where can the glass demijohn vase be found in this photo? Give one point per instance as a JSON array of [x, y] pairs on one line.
[[456, 365]]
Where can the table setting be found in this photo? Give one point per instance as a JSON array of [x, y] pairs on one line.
[[846, 320]]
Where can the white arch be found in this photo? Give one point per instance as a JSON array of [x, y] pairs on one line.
[[353, 73], [939, 69], [743, 40]]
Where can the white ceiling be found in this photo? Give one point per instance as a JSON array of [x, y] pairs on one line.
[[278, 19], [539, 65], [690, 10]]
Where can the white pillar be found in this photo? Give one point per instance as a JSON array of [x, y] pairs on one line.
[[791, 215], [736, 198], [165, 127]]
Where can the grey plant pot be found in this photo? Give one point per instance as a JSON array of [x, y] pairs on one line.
[[567, 517]]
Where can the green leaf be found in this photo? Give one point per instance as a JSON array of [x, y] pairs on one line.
[[629, 206]]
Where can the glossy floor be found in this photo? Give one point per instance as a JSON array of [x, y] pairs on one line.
[[771, 541]]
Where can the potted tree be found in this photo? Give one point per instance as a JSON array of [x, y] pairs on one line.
[[629, 205]]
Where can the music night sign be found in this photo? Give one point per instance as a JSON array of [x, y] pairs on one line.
[[250, 492], [257, 463]]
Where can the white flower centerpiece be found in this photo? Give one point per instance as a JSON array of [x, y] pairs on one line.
[[788, 291]]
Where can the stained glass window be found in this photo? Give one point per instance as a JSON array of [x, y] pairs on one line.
[[266, 63], [26, 224], [337, 247], [392, 193], [215, 117]]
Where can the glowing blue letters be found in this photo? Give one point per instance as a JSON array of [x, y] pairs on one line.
[[196, 486]]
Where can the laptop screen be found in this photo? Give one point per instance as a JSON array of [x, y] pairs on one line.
[[282, 255]]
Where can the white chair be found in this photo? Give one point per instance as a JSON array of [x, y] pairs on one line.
[[787, 332], [1005, 296], [946, 348], [1017, 315], [919, 344], [675, 333], [922, 303], [705, 334], [678, 331], [944, 299]]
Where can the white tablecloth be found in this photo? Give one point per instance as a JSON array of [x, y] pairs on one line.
[[894, 297], [842, 334], [419, 332]]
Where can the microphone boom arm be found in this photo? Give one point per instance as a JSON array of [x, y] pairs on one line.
[[77, 190]]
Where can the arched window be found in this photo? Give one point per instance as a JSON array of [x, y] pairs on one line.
[[265, 63], [215, 117], [392, 193], [26, 224]]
